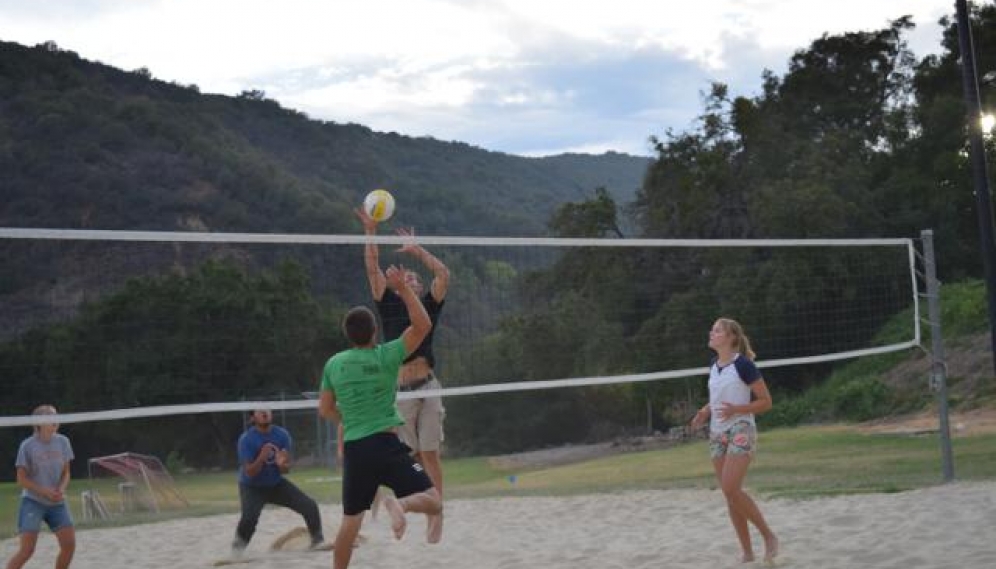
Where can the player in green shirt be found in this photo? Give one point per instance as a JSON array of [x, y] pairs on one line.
[[358, 390]]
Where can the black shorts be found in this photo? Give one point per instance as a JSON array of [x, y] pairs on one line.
[[380, 459]]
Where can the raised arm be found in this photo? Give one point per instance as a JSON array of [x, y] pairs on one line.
[[440, 273], [419, 318], [371, 257]]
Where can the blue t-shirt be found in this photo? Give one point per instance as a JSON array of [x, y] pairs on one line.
[[250, 444]]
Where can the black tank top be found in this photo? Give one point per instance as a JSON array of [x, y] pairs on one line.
[[394, 320]]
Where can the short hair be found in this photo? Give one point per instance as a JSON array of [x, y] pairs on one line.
[[359, 325]]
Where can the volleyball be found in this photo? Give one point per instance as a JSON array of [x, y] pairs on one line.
[[379, 205]]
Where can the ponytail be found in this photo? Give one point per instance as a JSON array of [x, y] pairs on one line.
[[742, 342]]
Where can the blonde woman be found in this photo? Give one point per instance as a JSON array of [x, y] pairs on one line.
[[737, 392]]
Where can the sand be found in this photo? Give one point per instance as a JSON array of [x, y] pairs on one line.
[[940, 527]]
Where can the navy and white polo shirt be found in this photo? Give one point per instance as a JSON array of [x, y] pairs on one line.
[[731, 384]]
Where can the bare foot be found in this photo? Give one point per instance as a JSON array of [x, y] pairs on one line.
[[397, 513], [770, 549], [434, 533], [747, 558]]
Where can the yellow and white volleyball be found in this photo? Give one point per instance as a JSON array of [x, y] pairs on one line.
[[379, 205]]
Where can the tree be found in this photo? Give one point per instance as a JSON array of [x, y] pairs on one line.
[[592, 218], [219, 333]]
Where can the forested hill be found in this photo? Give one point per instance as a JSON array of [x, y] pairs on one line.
[[85, 145], [857, 138]]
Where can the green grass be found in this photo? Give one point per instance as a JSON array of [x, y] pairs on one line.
[[793, 462], [796, 462]]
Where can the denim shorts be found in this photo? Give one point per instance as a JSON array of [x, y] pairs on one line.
[[740, 438], [31, 514]]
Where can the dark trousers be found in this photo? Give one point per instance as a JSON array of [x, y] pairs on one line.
[[253, 498]]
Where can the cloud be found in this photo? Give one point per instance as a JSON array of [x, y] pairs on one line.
[[564, 98], [522, 76]]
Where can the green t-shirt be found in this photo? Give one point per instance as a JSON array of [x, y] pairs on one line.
[[364, 381]]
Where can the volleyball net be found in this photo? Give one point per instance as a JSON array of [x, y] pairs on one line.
[[177, 333]]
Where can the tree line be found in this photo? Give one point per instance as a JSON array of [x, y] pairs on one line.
[[858, 138]]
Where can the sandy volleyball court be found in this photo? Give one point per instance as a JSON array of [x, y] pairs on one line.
[[940, 527]]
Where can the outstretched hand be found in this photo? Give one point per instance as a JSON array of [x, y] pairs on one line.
[[369, 223], [396, 278], [409, 246]]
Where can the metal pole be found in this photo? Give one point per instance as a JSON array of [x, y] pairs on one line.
[[938, 368], [980, 176]]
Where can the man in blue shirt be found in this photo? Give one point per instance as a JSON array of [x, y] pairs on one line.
[[264, 458]]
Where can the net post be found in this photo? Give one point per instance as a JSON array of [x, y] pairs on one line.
[[938, 368]]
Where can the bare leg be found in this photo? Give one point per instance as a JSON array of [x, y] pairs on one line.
[[25, 551], [738, 519], [427, 502], [349, 528], [434, 529], [375, 506], [397, 512], [67, 547], [429, 459], [734, 472]]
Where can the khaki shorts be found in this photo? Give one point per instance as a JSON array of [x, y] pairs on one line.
[[423, 428]]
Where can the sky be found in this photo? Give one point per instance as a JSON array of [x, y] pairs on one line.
[[527, 77]]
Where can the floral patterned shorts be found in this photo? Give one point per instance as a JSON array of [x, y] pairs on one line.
[[740, 438]]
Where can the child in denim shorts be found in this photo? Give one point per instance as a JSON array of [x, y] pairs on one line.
[[43, 474]]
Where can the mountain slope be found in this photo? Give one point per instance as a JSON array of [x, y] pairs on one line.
[[86, 145]]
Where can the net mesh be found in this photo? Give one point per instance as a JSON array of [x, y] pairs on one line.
[[142, 482], [136, 325]]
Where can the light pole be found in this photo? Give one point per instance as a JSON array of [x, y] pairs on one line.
[[980, 176]]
